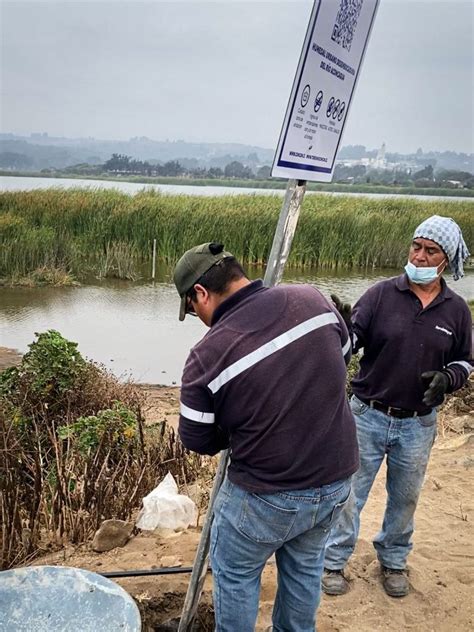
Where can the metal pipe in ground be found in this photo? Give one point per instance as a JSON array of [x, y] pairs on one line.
[[167, 570]]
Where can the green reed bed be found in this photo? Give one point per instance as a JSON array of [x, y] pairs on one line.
[[109, 233]]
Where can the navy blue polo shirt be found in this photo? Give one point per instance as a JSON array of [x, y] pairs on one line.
[[268, 380], [401, 340]]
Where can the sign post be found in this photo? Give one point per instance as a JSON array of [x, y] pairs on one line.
[[328, 69], [284, 231], [329, 66]]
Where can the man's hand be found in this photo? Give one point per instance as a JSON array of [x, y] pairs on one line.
[[437, 384], [344, 309]]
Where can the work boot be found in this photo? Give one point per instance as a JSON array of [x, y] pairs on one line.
[[334, 582], [395, 582]]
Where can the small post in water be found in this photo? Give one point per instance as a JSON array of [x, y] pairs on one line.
[[154, 260]]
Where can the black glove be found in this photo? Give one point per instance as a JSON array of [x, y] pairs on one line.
[[344, 309], [436, 384]]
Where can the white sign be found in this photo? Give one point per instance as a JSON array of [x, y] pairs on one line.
[[325, 80]]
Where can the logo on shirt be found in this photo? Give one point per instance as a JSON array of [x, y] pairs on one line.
[[443, 329]]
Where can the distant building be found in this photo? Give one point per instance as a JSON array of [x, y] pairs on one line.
[[380, 161]]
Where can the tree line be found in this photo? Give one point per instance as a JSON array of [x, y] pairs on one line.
[[122, 164], [355, 174]]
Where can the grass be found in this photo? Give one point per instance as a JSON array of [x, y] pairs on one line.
[[55, 277], [109, 233]]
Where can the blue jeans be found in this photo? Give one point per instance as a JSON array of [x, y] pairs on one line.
[[247, 529], [407, 444]]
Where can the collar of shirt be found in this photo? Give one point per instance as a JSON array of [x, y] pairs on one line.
[[404, 286], [235, 299]]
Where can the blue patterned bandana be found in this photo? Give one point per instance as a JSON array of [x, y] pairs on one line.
[[447, 234]]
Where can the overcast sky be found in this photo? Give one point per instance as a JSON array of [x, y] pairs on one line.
[[222, 71]]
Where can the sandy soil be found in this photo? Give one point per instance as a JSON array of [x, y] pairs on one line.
[[9, 357], [441, 566]]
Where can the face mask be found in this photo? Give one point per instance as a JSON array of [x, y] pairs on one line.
[[421, 275]]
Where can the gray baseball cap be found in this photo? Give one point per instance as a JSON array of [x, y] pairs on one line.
[[192, 265]]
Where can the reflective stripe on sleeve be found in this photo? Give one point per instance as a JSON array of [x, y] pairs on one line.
[[346, 347], [271, 347], [466, 365], [196, 415]]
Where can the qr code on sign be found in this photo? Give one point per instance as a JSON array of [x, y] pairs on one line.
[[346, 22]]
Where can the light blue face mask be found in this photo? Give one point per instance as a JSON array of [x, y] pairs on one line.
[[421, 275]]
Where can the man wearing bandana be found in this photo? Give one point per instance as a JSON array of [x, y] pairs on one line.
[[416, 336]]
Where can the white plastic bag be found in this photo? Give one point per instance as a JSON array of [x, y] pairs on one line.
[[166, 509]]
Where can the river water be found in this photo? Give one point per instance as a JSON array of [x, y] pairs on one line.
[[20, 183], [133, 328]]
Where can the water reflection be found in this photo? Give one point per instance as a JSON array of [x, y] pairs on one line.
[[133, 328], [20, 183]]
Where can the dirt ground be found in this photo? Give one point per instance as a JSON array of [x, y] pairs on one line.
[[441, 566], [8, 357]]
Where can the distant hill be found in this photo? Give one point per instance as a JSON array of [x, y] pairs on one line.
[[41, 151]]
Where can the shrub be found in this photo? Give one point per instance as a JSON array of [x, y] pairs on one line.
[[72, 438]]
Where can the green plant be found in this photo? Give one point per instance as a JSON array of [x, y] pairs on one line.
[[471, 307], [8, 379], [117, 426], [352, 371], [53, 363]]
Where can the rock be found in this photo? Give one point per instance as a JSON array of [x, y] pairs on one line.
[[161, 533], [111, 534], [169, 561], [462, 423], [457, 442], [436, 484]]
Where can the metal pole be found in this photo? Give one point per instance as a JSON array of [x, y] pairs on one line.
[[154, 260], [285, 231], [282, 240], [201, 561]]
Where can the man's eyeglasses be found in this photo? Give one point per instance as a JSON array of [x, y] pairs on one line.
[[189, 306]]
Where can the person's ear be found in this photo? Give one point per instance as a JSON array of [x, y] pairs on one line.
[[202, 294]]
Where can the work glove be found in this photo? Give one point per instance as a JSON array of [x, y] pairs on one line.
[[436, 384], [345, 311]]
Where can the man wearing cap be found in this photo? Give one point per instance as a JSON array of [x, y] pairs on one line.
[[416, 335], [268, 381]]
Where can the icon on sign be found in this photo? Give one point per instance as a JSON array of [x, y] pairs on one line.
[[330, 107], [305, 96], [318, 101], [335, 109], [341, 111]]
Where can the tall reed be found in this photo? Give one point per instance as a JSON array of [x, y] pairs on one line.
[[109, 233]]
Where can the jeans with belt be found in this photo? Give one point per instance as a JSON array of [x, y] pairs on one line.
[[407, 445], [248, 528]]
